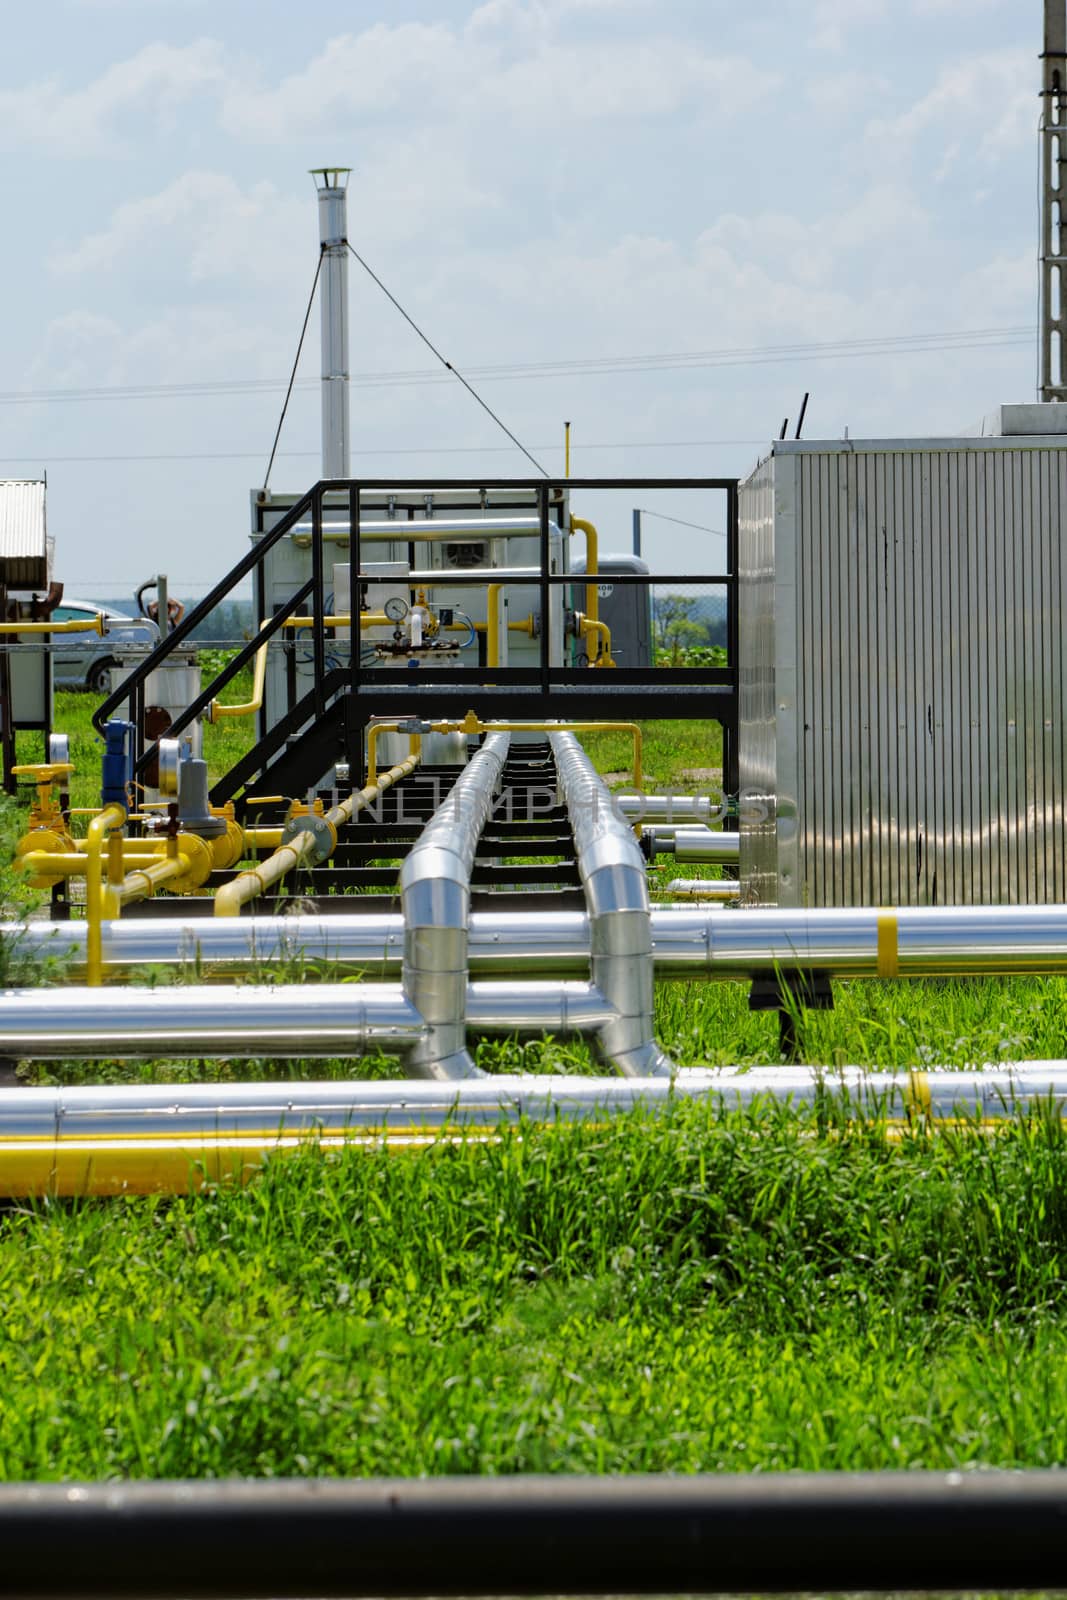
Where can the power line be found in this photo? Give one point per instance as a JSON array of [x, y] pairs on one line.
[[693, 360], [699, 526], [419, 450], [453, 370], [296, 363]]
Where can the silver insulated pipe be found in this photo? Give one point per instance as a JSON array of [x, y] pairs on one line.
[[435, 892], [612, 871], [332, 183], [689, 942]]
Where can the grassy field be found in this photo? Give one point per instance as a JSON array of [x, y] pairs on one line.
[[694, 1291]]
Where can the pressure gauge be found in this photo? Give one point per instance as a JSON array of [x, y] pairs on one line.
[[396, 608]]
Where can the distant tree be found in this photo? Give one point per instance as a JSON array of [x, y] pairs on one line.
[[676, 627], [231, 621]]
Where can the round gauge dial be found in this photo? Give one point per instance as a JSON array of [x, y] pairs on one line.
[[396, 608]]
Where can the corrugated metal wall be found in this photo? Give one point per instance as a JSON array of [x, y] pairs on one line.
[[756, 699], [23, 534], [926, 748]]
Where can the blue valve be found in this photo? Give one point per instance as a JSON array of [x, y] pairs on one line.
[[118, 764]]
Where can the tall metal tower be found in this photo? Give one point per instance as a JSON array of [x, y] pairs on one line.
[[332, 184], [1053, 200]]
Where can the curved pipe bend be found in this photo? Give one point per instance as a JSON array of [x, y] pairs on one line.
[[435, 900], [612, 870]]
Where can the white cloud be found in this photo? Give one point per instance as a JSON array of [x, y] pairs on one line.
[[81, 122], [959, 8], [193, 343], [382, 69], [831, 20], [545, 12], [992, 94], [480, 72], [845, 96], [203, 220]]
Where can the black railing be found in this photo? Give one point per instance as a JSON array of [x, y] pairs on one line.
[[131, 691], [359, 679]]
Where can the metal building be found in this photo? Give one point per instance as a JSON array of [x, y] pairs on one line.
[[902, 668]]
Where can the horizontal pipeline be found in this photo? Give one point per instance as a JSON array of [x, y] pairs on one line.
[[688, 843], [418, 1104], [704, 889], [385, 531], [689, 942], [175, 1138], [731, 1533], [680, 808], [314, 1020], [728, 1533]]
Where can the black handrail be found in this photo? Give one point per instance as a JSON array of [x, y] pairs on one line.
[[192, 619], [219, 682]]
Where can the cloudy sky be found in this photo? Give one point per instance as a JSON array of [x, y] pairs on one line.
[[695, 191]]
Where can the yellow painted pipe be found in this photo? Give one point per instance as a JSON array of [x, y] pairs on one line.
[[601, 633], [343, 619], [75, 863], [713, 891], [97, 624], [98, 900], [249, 885], [66, 1167], [263, 838], [142, 882], [360, 799], [492, 624], [216, 710], [126, 854], [592, 549], [185, 866]]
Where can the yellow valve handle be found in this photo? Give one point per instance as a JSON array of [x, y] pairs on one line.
[[45, 772]]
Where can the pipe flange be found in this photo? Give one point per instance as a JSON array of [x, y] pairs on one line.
[[322, 832], [229, 846], [170, 760], [200, 860], [51, 842]]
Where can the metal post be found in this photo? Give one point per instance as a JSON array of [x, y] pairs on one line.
[[7, 710], [354, 750], [637, 532], [333, 237], [731, 777], [1053, 156], [545, 592], [162, 598], [318, 608]]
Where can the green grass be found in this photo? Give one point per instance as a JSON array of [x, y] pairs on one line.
[[671, 752], [695, 1291]]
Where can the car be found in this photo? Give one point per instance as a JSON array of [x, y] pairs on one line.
[[84, 660]]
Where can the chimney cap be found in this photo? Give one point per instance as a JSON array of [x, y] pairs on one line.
[[331, 177]]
